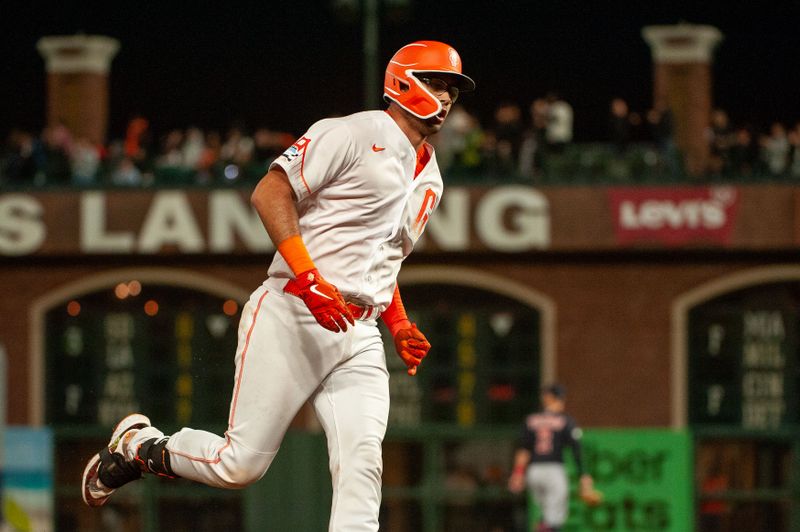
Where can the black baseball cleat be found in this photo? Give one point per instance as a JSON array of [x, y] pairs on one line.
[[109, 469]]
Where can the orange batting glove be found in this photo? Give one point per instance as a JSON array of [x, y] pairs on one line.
[[322, 299], [411, 345]]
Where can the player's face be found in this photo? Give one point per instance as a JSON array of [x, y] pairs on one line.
[[552, 403]]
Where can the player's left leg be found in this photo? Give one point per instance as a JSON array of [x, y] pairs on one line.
[[352, 405], [558, 498]]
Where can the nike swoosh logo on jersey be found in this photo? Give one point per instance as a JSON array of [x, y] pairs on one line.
[[313, 288], [376, 148]]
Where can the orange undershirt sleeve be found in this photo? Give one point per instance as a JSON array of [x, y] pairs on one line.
[[296, 255], [395, 314]]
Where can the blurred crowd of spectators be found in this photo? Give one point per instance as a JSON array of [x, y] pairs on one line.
[[178, 157], [636, 146], [534, 145]]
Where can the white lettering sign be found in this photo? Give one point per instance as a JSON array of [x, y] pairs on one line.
[[508, 219], [528, 214], [229, 217], [764, 364], [170, 222], [449, 226], [659, 214], [22, 230], [94, 237]]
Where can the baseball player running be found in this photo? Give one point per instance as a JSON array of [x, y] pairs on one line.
[[345, 205], [539, 460]]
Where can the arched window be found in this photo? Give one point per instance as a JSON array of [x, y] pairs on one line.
[[743, 396], [454, 425], [111, 347], [484, 364]]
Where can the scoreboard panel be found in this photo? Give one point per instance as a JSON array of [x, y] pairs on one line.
[[743, 358], [167, 351]]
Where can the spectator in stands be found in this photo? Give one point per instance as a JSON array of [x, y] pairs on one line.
[[721, 139], [84, 162], [126, 174], [559, 124], [236, 153], [137, 139], [20, 158], [450, 139], [466, 142], [621, 124], [775, 150], [122, 171], [508, 129], [238, 147], [794, 157], [659, 120], [743, 153], [192, 149], [138, 143], [171, 155], [534, 140], [57, 146], [207, 165]]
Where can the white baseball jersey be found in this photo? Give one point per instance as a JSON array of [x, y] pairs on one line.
[[361, 207]]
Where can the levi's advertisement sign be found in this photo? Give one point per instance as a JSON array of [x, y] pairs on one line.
[[673, 216]]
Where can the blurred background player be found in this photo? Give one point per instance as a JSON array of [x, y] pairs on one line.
[[539, 460], [350, 198]]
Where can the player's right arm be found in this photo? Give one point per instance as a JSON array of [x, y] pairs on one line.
[[274, 200], [516, 482]]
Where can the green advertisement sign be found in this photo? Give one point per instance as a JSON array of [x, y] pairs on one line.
[[646, 480]]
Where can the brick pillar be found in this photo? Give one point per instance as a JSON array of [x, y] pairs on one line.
[[682, 56], [77, 82]]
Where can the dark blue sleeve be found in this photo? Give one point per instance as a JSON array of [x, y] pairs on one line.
[[573, 438]]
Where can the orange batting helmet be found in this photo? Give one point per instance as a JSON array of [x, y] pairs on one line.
[[402, 86]]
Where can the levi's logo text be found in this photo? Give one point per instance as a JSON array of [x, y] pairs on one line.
[[674, 216], [377, 148], [296, 149]]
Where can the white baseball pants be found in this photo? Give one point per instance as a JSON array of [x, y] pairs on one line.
[[283, 359], [550, 487]]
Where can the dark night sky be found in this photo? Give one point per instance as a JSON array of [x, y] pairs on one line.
[[286, 64]]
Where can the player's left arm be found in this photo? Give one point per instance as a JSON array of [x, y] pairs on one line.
[[586, 488], [410, 343]]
